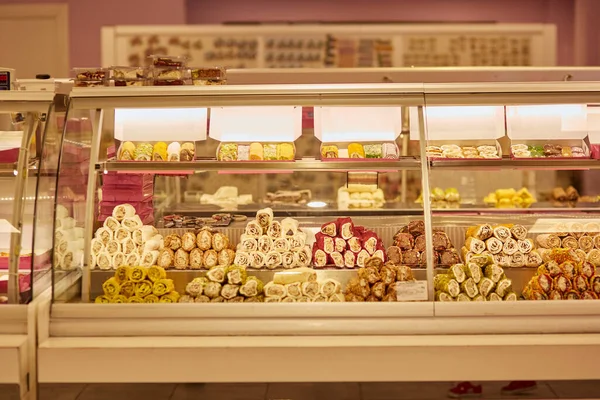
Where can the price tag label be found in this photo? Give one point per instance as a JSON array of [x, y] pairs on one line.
[[411, 291]]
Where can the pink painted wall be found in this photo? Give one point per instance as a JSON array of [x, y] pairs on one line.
[[558, 12], [86, 17]]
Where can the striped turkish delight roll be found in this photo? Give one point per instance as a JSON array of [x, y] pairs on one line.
[[303, 257], [518, 260], [525, 246], [274, 230], [570, 242], [257, 260], [242, 258], [494, 245], [502, 233], [247, 244], [534, 259], [475, 245], [345, 228], [518, 232], [548, 241], [281, 245], [273, 260], [319, 258], [264, 218], [288, 260], [264, 244], [253, 229]]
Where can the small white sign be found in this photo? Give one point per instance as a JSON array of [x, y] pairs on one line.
[[411, 291]]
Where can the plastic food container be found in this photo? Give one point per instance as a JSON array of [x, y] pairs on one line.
[[168, 61], [127, 82], [79, 83], [555, 149], [449, 150], [256, 151], [359, 151], [128, 73], [208, 73], [169, 73], [90, 74], [208, 82]]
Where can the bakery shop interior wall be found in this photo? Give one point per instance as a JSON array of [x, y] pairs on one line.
[[86, 17], [558, 12]]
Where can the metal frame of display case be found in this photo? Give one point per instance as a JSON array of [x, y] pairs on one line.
[[420, 339]]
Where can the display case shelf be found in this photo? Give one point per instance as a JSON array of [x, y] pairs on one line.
[[259, 166], [508, 163]]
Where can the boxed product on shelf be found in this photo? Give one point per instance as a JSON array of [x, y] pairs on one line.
[[362, 151], [556, 149], [510, 198], [169, 76], [256, 151], [206, 76], [90, 77], [156, 151], [158, 60], [360, 196], [463, 149], [127, 76]]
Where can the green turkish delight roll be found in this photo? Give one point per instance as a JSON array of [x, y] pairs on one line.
[[511, 296], [252, 287], [504, 287], [373, 151], [486, 285], [236, 275], [473, 271], [443, 296], [478, 298], [494, 297], [469, 287], [446, 284], [463, 297], [457, 272], [494, 272]]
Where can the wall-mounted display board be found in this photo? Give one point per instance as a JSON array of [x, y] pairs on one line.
[[350, 46]]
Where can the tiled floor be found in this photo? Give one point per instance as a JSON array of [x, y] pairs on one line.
[[295, 391]]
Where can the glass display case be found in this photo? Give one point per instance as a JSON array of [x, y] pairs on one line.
[[457, 203]]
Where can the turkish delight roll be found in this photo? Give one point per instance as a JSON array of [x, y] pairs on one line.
[[288, 260], [416, 228], [220, 241], [289, 227], [404, 241], [345, 228], [280, 245], [534, 259], [212, 290], [541, 282], [229, 291], [354, 244], [362, 257], [247, 244], [149, 258], [502, 232], [123, 211], [242, 258], [122, 234], [519, 232], [188, 241], [349, 259], [264, 244], [469, 287], [548, 241], [303, 257], [118, 259], [112, 223], [475, 245], [211, 258], [440, 241], [443, 296], [473, 271], [143, 152], [182, 259], [173, 242], [226, 257], [510, 247], [166, 258], [379, 254], [270, 151], [97, 246], [104, 235], [273, 260], [588, 269], [580, 283], [228, 152], [132, 223], [340, 245], [595, 284], [329, 151], [589, 295], [111, 287], [243, 152], [264, 218], [555, 295], [493, 272], [394, 254], [518, 260], [481, 232], [257, 260], [494, 245], [329, 229], [370, 242], [593, 257], [570, 242], [310, 289], [256, 151], [373, 150], [275, 290], [252, 287], [420, 244], [187, 152], [448, 285], [356, 150], [458, 273], [525, 245], [132, 259], [253, 230], [217, 274], [586, 243], [572, 295], [503, 287], [319, 257], [485, 286], [337, 259], [196, 259], [412, 257], [173, 150], [294, 290], [390, 150], [274, 230]]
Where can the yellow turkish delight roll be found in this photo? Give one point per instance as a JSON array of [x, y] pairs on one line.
[[356, 150], [256, 152], [329, 151], [285, 151], [159, 152], [126, 151]]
